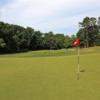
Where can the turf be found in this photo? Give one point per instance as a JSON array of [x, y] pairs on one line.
[[50, 78], [52, 53]]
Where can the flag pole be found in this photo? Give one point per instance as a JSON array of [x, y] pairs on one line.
[[77, 43], [78, 63]]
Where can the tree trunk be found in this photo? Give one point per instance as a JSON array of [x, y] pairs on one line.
[[86, 42]]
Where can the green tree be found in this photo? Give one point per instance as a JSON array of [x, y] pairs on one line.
[[88, 31]]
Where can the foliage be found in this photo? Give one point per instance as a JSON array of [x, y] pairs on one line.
[[89, 32], [14, 38]]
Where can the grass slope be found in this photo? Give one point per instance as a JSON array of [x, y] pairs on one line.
[[50, 78]]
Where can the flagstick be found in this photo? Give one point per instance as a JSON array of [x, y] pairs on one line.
[[78, 64], [77, 43]]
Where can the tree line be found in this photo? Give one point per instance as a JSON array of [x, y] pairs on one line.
[[15, 38]]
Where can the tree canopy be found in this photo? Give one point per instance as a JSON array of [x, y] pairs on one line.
[[89, 31], [15, 38]]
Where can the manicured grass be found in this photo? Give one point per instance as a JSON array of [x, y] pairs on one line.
[[50, 78], [51, 53]]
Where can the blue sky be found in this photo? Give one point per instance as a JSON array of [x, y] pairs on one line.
[[59, 16]]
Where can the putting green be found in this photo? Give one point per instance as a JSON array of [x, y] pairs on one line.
[[50, 78]]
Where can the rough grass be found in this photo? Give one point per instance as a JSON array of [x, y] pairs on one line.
[[50, 78]]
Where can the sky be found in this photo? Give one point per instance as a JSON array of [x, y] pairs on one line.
[[58, 16]]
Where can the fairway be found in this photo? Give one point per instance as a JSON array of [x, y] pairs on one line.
[[50, 78]]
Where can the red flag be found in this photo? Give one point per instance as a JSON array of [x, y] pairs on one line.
[[76, 42]]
